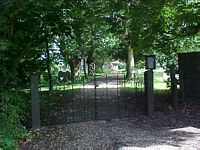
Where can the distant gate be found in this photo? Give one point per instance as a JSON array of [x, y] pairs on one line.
[[97, 98]]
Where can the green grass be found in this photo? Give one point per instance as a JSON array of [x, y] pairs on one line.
[[160, 86], [63, 87], [159, 83]]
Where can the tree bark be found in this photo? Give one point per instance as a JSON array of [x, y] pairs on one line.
[[130, 63], [73, 61], [90, 61], [99, 67], [49, 66], [75, 68]]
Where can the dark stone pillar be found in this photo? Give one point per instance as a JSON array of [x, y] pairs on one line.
[[174, 96], [35, 102], [149, 96]]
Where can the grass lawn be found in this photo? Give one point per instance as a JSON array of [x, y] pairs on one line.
[[159, 83]]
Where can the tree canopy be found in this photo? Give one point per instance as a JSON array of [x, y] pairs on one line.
[[37, 35], [95, 30]]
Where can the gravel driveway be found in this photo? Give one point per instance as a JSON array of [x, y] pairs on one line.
[[167, 129]]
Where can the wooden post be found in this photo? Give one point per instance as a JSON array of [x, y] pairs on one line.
[[35, 102], [149, 96]]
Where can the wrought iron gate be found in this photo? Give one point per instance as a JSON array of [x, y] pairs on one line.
[[98, 98]]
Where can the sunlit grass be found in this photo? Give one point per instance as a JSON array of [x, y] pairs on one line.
[[159, 83], [63, 87]]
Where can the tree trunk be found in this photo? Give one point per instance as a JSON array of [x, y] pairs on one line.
[[90, 63], [49, 67], [99, 67], [75, 68], [72, 71], [72, 60], [130, 63]]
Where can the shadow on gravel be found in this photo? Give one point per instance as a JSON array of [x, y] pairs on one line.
[[81, 105], [159, 132], [168, 128]]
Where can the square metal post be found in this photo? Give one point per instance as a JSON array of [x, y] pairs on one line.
[[35, 102], [149, 96], [174, 96]]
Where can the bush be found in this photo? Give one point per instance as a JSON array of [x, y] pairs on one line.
[[12, 113]]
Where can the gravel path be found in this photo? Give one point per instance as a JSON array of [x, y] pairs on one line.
[[167, 129], [171, 130]]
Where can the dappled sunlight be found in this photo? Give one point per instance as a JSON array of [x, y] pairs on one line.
[[156, 147], [189, 129], [104, 86], [160, 86], [174, 139], [166, 139]]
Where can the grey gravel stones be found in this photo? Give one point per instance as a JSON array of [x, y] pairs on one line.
[[134, 133]]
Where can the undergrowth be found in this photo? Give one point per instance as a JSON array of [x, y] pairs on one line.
[[12, 113]]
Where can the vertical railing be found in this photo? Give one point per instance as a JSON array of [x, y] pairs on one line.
[[107, 103], [73, 101], [118, 102], [83, 105], [124, 94], [95, 98], [84, 100]]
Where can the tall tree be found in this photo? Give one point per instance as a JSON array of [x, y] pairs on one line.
[[133, 22], [180, 30]]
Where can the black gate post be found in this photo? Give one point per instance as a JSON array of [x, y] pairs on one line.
[[35, 102], [182, 85], [149, 96], [173, 87], [149, 88]]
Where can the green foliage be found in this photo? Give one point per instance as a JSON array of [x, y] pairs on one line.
[[12, 113], [98, 30], [178, 31]]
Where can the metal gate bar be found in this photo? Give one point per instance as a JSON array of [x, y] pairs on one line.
[[98, 99]]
